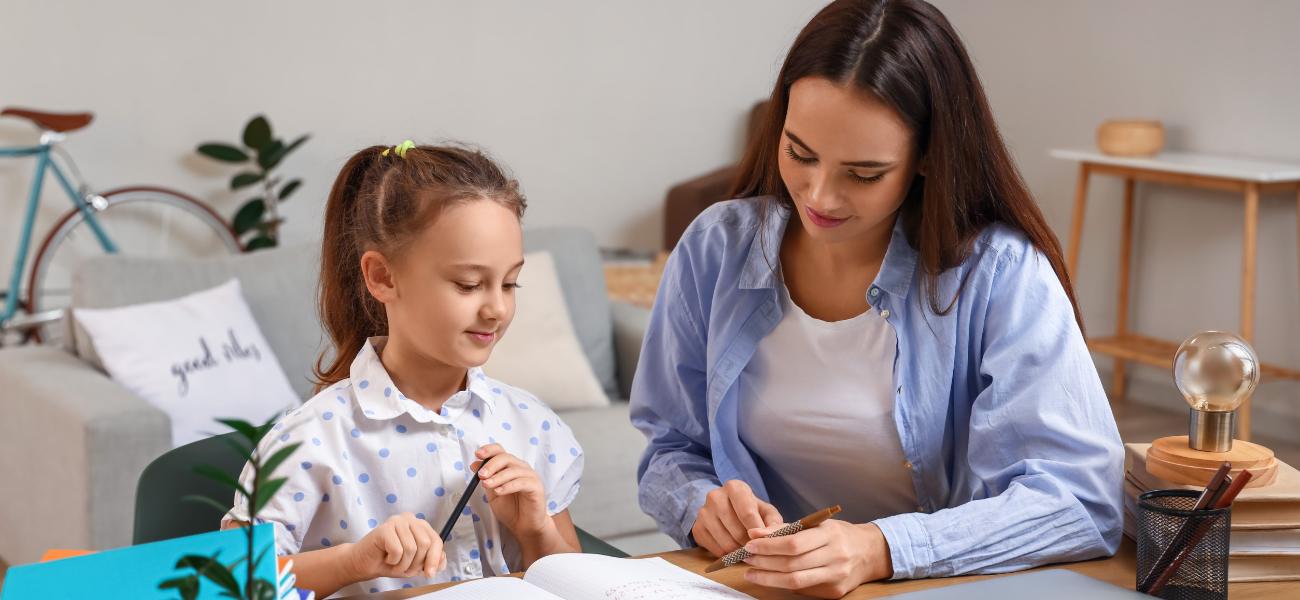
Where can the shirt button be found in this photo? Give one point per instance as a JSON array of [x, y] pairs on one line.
[[875, 292], [907, 464], [884, 313], [920, 509]]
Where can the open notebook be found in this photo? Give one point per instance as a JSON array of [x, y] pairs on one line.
[[593, 577]]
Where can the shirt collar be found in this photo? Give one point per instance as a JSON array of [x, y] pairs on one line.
[[759, 272], [380, 399]]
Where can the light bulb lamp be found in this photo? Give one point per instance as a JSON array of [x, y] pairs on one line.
[[1216, 372]]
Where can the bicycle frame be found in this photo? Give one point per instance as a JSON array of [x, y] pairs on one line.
[[43, 163]]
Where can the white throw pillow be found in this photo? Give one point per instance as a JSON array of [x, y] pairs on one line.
[[540, 352], [197, 358]]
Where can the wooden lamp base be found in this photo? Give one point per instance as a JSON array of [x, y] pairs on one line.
[[1173, 460]]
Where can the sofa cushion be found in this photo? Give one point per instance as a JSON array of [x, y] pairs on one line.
[[607, 506], [279, 285], [582, 277]]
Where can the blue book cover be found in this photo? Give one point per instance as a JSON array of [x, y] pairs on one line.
[[134, 572]]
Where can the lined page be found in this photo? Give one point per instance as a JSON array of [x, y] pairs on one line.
[[598, 577], [491, 588]]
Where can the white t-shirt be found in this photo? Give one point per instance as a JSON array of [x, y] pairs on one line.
[[369, 453], [817, 411]]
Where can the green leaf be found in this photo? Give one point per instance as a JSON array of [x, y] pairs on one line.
[[270, 464], [219, 574], [221, 508], [246, 429], [294, 144], [245, 179], [249, 216], [289, 188], [188, 586], [222, 152], [266, 492], [269, 155], [222, 477], [257, 133], [258, 243], [263, 590]]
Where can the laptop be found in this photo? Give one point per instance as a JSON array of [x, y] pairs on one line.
[[1056, 584]]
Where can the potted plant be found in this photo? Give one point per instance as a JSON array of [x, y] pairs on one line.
[[257, 222]]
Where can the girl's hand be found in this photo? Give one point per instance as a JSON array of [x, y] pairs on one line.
[[729, 512], [827, 561], [514, 491], [403, 546]]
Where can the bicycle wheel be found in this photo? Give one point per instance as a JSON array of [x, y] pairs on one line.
[[141, 221]]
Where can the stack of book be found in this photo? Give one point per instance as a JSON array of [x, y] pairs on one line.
[[1264, 543]]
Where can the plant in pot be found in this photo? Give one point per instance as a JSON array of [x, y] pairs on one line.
[[257, 222]]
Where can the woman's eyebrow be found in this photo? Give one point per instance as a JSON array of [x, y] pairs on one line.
[[870, 164]]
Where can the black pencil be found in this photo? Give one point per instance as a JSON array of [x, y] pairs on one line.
[[460, 505]]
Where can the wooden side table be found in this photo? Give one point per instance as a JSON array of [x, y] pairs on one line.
[[1250, 178]]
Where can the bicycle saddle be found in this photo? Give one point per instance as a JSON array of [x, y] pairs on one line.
[[60, 122]]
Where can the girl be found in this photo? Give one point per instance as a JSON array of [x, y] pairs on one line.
[[422, 249], [883, 322]]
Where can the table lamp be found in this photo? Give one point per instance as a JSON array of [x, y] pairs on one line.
[[1216, 372]]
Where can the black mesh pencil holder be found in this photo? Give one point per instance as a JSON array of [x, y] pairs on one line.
[[1164, 520]]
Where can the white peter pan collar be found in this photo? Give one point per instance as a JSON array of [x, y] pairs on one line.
[[380, 399]]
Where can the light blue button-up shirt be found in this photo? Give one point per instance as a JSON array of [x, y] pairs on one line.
[[1013, 448]]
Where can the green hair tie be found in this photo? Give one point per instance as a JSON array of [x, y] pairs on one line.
[[400, 149]]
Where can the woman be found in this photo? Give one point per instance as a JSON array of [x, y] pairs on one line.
[[884, 322]]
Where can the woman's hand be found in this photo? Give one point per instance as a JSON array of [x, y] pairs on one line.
[[514, 491], [827, 561], [403, 546], [729, 512]]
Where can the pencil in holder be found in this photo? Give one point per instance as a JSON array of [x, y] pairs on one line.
[[1199, 542]]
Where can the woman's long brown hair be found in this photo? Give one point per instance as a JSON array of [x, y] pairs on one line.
[[383, 202], [907, 54]]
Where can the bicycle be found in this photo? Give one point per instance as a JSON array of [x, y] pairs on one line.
[[127, 220]]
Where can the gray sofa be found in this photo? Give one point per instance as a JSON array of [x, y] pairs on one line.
[[73, 442]]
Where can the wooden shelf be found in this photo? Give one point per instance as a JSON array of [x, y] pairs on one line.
[[1160, 353]]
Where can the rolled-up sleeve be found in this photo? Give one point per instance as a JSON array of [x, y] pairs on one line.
[[1043, 446], [669, 405]]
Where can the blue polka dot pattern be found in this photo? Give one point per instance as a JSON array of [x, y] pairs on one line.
[[551, 458], [419, 516], [401, 429], [315, 441], [299, 496], [523, 405], [364, 384], [306, 465], [410, 472], [325, 542], [552, 505], [372, 523], [343, 524], [460, 433], [364, 477], [474, 554], [460, 466], [327, 415], [325, 498], [388, 392], [444, 412], [356, 433], [573, 451], [341, 400], [431, 447], [284, 437], [476, 413], [438, 491], [383, 452], [490, 543], [391, 498], [476, 519], [496, 390], [546, 425], [465, 513], [505, 425], [337, 480], [533, 440]]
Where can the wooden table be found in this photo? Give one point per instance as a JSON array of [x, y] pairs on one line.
[[1119, 570], [1250, 178]]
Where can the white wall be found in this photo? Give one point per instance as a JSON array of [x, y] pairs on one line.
[[600, 106]]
